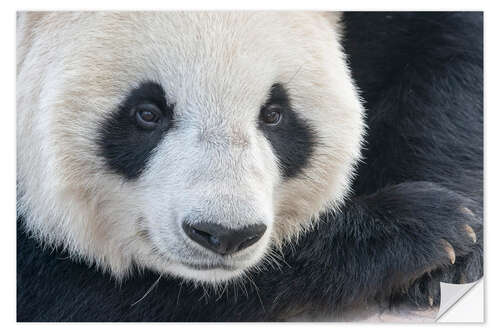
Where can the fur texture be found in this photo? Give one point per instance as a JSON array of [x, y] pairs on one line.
[[417, 193]]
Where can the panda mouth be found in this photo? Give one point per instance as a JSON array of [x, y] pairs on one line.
[[205, 267]]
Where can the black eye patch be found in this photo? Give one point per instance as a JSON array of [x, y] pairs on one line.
[[125, 144], [292, 139]]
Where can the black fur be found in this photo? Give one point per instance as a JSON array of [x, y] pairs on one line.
[[292, 138], [421, 76], [125, 145]]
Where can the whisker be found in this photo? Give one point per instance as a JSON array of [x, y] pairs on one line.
[[222, 293], [179, 294], [148, 291], [258, 294]]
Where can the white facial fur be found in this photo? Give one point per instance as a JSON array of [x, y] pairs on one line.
[[74, 69]]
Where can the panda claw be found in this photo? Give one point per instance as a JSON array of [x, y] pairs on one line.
[[467, 211], [471, 233], [449, 250]]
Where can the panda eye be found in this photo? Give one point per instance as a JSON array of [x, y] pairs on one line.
[[271, 114], [147, 115]]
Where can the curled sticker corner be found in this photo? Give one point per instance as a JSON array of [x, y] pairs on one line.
[[451, 294]]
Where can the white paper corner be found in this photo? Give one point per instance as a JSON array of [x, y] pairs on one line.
[[462, 303]]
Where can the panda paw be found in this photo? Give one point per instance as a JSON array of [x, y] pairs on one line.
[[439, 235], [455, 257], [425, 292]]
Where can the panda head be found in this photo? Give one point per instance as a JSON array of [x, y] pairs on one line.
[[187, 143]]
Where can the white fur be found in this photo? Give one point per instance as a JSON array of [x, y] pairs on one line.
[[75, 68]]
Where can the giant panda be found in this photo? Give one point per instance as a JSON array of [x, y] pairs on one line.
[[245, 166]]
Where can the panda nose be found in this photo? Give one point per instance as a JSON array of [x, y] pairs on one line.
[[223, 240]]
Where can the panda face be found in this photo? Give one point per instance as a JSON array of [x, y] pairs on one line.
[[187, 143], [206, 178]]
